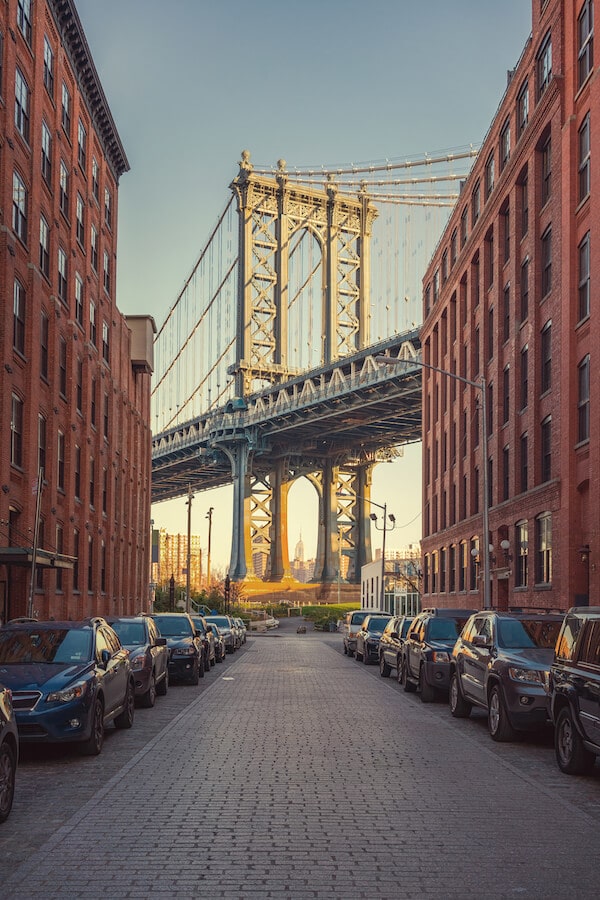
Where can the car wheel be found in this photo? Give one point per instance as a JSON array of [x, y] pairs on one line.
[[345, 650], [201, 667], [147, 699], [163, 686], [195, 676], [365, 657], [8, 774], [499, 725], [459, 707], [405, 681], [384, 669], [357, 655], [213, 661], [350, 652], [426, 691], [399, 670], [93, 745], [125, 719], [571, 756]]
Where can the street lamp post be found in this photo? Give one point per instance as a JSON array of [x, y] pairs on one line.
[[384, 529], [189, 549], [480, 386], [209, 517]]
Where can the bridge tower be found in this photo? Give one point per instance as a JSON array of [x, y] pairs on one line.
[[275, 217]]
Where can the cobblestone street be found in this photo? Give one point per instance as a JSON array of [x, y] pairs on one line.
[[299, 773]]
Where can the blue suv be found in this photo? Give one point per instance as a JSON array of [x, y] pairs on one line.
[[68, 681]]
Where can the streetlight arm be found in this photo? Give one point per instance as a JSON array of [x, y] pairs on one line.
[[390, 361]]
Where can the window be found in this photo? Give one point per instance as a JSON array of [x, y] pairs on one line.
[[475, 204], [59, 549], [505, 215], [584, 158], [79, 299], [76, 559], [21, 105], [546, 262], [19, 317], [505, 394], [105, 342], [546, 171], [546, 357], [62, 367], [107, 207], [93, 334], [94, 248], [584, 277], [95, 181], [522, 109], [24, 19], [490, 171], [585, 40], [105, 415], [453, 248], [44, 247], [1, 59], [490, 410], [60, 462], [93, 402], [44, 331], [464, 228], [522, 547], [506, 313], [505, 473], [489, 244], [81, 146], [16, 431], [546, 449], [543, 550], [444, 266], [524, 289], [583, 400], [92, 464], [19, 221], [524, 462], [490, 333], [42, 437], [436, 285], [79, 385], [524, 192], [48, 66], [504, 144], [46, 155], [66, 110], [64, 189], [544, 64], [78, 472], [106, 266], [62, 276], [524, 377], [80, 220]]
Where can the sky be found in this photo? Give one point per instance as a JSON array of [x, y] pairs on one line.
[[192, 83]]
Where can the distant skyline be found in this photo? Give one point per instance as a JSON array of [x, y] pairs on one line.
[[192, 83]]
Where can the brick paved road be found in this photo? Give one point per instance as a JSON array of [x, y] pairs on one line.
[[266, 789]]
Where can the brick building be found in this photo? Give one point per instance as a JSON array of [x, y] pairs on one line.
[[75, 373], [509, 305]]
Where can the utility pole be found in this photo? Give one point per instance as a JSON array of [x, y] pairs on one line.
[[209, 517], [189, 550]]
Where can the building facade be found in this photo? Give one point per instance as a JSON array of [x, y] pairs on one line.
[[509, 306], [172, 560], [75, 399]]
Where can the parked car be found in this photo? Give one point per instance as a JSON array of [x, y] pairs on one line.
[[575, 691], [427, 649], [9, 752], [351, 626], [208, 640], [391, 643], [224, 625], [242, 630], [148, 655], [186, 653], [500, 663], [367, 639], [68, 681], [219, 642]]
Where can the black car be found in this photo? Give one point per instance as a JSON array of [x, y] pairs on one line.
[[208, 640], [367, 639], [500, 663], [68, 681], [391, 643], [575, 691], [427, 649], [186, 653], [148, 655], [225, 626], [218, 641], [9, 752]]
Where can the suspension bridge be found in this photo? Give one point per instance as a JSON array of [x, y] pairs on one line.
[[266, 365]]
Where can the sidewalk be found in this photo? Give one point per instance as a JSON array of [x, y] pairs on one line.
[[264, 787]]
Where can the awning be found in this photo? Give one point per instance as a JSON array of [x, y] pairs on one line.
[[44, 559]]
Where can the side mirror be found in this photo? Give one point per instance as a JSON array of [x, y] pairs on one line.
[[105, 658], [160, 642], [395, 635], [197, 633], [481, 640], [414, 635]]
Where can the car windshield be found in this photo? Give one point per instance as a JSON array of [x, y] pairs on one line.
[[377, 623], [198, 624], [221, 621], [405, 627], [174, 626], [131, 634], [524, 634], [45, 645], [443, 629], [358, 618]]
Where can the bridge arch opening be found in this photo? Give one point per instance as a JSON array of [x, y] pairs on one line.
[[305, 300], [302, 528]]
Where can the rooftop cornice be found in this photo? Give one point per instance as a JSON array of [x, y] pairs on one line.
[[74, 40]]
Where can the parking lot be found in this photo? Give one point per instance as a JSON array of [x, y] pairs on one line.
[[294, 771]]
